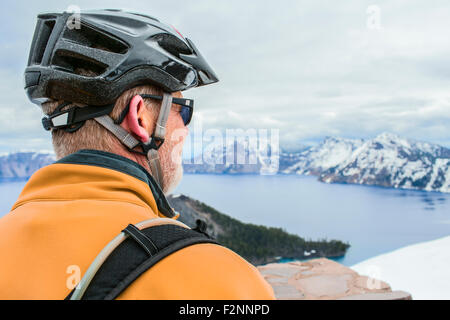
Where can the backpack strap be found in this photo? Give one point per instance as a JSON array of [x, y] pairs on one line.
[[141, 250]]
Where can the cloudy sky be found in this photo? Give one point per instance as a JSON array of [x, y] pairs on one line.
[[311, 69]]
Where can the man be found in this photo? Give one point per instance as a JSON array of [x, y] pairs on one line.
[[111, 90]]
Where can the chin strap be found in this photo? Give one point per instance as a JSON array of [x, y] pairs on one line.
[[150, 149]]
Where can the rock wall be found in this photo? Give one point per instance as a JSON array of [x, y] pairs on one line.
[[324, 279]]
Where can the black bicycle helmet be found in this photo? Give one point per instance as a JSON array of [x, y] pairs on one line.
[[119, 49]]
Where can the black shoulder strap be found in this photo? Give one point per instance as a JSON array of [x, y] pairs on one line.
[[138, 253]]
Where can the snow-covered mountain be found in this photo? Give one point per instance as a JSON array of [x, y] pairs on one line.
[[236, 157], [421, 269], [328, 154], [23, 164], [387, 160], [391, 161]]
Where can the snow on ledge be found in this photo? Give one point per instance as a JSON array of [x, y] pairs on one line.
[[421, 269]]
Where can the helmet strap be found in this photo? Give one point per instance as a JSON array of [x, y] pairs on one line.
[[150, 149]]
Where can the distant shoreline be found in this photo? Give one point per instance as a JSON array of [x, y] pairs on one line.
[[314, 176]]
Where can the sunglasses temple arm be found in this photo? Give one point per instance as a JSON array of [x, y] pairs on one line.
[[184, 102]]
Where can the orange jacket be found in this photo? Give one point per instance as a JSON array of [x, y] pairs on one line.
[[67, 213]]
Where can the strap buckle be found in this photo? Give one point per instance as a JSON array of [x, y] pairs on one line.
[[154, 144], [59, 119], [47, 123]]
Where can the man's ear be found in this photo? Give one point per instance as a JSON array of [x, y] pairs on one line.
[[136, 119]]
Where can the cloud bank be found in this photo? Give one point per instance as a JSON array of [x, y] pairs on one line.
[[308, 68]]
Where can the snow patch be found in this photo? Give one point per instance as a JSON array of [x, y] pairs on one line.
[[420, 269]]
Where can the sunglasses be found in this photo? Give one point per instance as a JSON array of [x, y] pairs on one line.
[[187, 106]]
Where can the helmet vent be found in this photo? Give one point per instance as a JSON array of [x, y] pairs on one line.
[[78, 64], [44, 33], [89, 37], [172, 44]]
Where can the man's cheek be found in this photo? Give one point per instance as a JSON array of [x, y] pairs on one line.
[[177, 139]]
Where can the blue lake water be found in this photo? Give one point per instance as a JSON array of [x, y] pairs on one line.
[[373, 220]]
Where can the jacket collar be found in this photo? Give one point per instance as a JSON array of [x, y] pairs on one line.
[[116, 162]]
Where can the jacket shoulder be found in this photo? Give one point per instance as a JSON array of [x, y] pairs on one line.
[[201, 271]]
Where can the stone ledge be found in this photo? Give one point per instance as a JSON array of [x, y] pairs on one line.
[[394, 295], [324, 279]]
